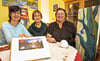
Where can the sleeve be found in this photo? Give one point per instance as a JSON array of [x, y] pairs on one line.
[[30, 29], [2, 40], [6, 33], [25, 30], [45, 31], [74, 32], [73, 28], [50, 29]]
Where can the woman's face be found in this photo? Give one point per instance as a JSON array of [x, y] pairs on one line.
[[60, 16], [37, 17], [15, 16]]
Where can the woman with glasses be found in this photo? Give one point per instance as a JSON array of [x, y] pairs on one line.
[[38, 28], [13, 28], [61, 29]]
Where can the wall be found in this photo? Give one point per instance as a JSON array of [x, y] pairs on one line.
[[4, 12], [30, 11], [45, 10], [49, 9], [51, 14]]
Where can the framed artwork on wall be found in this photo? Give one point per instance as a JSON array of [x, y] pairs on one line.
[[24, 17], [33, 4], [55, 6]]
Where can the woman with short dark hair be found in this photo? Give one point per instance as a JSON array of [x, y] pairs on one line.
[[13, 28], [61, 29]]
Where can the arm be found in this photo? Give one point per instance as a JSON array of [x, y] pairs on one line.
[[74, 35], [25, 32], [50, 38], [6, 33], [49, 34], [30, 29], [23, 35], [2, 40], [74, 32], [45, 29]]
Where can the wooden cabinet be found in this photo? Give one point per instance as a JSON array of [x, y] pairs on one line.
[[72, 7], [72, 11]]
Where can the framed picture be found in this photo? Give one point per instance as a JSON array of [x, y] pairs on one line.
[[33, 48], [24, 16], [33, 4], [55, 6]]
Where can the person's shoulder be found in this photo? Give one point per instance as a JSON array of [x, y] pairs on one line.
[[20, 25], [52, 23], [5, 24], [33, 24], [44, 24], [69, 23]]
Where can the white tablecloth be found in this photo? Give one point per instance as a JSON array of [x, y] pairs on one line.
[[57, 53]]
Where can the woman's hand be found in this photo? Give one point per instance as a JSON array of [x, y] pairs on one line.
[[23, 35], [49, 35], [50, 38]]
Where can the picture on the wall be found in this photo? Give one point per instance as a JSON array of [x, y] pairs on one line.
[[55, 6], [21, 3], [24, 16], [33, 4]]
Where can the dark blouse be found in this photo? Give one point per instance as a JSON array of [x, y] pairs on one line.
[[38, 31], [67, 32]]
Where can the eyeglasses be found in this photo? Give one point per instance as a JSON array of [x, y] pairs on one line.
[[37, 15], [60, 13], [16, 13]]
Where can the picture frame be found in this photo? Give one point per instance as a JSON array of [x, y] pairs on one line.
[[24, 17], [55, 6], [32, 4], [32, 48]]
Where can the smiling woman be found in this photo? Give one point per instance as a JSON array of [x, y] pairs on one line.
[[61, 29], [38, 28], [13, 28]]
